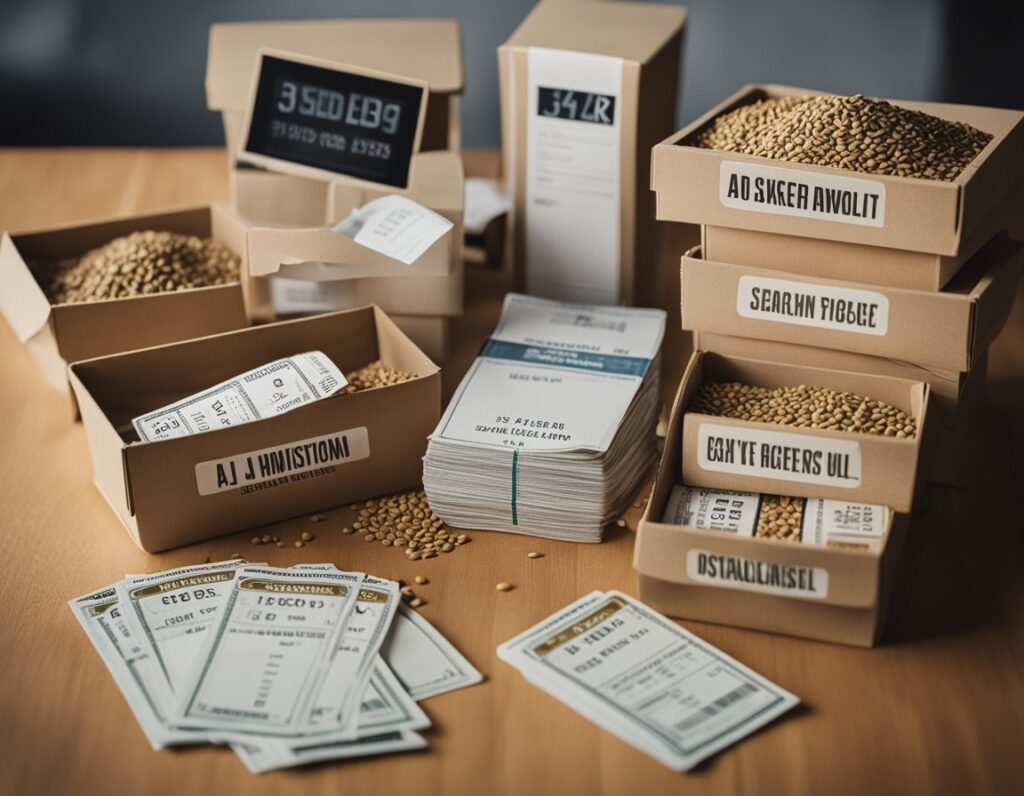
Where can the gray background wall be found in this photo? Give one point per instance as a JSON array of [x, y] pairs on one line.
[[130, 72]]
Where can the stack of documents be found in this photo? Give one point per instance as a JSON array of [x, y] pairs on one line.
[[553, 427], [288, 666], [644, 679]]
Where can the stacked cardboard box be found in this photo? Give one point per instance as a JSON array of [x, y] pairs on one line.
[[893, 291], [587, 88], [289, 215]]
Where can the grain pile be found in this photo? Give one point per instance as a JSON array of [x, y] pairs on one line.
[[405, 520], [803, 407], [376, 374], [856, 133], [141, 264], [780, 518]]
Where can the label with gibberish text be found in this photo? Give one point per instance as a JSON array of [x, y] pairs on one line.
[[751, 574], [842, 309], [783, 455], [282, 464], [806, 194]]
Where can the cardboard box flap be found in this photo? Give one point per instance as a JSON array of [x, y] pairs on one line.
[[631, 31], [426, 49], [22, 300], [321, 254]]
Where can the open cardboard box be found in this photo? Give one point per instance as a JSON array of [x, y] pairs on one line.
[[692, 185], [726, 453], [947, 330], [56, 334], [153, 487], [647, 38], [425, 49], [851, 588], [949, 390]]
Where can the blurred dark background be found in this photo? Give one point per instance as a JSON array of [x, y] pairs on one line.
[[130, 72]]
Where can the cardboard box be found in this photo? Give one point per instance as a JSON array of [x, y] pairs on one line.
[[352, 274], [265, 197], [153, 486], [934, 216], [841, 595], [425, 49], [432, 334], [725, 453], [949, 389], [587, 88], [947, 330], [57, 334]]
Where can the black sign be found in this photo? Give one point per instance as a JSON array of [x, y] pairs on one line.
[[576, 106], [342, 122]]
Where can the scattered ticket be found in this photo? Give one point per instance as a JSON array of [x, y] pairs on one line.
[[272, 389], [644, 679], [286, 666], [395, 226]]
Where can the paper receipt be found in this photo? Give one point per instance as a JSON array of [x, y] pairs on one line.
[[272, 389]]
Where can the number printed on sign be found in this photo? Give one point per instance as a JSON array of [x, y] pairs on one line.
[[336, 120], [576, 106]]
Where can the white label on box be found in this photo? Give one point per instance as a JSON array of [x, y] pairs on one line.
[[713, 509], [842, 309], [395, 226], [751, 574], [573, 154], [837, 522], [782, 455], [280, 464], [309, 297], [806, 194]]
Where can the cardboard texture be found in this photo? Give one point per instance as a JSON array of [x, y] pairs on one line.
[[425, 49], [56, 334], [430, 287], [853, 586], [945, 330], [649, 39], [431, 334], [948, 389], [862, 468], [932, 216], [152, 487]]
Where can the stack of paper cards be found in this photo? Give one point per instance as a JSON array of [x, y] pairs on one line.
[[288, 666], [553, 427], [644, 679]]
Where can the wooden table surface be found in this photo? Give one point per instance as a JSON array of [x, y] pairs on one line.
[[939, 708]]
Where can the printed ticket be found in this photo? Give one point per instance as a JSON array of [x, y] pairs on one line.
[[171, 612], [272, 389], [102, 617], [645, 679], [336, 707], [425, 662], [264, 660], [553, 376]]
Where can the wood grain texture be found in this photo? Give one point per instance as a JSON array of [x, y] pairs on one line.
[[938, 709]]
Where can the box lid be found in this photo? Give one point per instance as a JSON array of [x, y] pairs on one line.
[[632, 31], [907, 213], [426, 49]]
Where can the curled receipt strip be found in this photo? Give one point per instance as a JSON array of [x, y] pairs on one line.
[[395, 226], [272, 389]]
